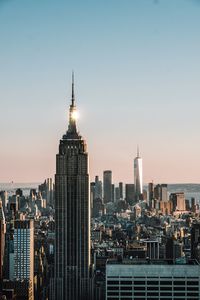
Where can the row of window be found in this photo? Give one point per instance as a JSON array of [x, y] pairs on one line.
[[182, 283], [152, 294], [153, 288], [146, 298]]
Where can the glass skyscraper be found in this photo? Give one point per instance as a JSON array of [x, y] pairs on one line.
[[138, 176]]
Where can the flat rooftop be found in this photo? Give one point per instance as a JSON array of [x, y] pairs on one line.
[[138, 261]]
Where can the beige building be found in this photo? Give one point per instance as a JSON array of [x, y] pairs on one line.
[[178, 201]]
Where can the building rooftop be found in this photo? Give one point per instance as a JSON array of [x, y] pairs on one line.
[[137, 261]]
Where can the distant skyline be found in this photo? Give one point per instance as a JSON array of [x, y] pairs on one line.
[[137, 71]]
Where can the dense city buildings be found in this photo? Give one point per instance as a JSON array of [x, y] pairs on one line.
[[72, 215], [98, 240], [155, 235]]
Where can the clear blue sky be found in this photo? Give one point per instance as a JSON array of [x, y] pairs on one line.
[[137, 72]]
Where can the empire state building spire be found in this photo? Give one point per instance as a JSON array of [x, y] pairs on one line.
[[72, 129], [73, 98]]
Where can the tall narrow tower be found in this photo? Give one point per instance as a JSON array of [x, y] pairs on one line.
[[24, 253], [2, 238], [72, 214], [107, 186], [138, 176]]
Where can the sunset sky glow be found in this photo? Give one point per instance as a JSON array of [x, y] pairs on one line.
[[137, 72]]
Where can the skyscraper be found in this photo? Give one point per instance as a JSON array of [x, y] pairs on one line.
[[138, 176], [98, 188], [152, 279], [129, 193], [195, 241], [24, 252], [151, 194], [107, 186], [121, 193], [2, 238], [178, 201], [72, 214]]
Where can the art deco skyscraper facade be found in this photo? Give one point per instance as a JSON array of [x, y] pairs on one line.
[[72, 214], [138, 176]]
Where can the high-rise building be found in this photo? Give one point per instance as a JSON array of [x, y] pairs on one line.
[[24, 252], [92, 195], [50, 191], [46, 190], [121, 191], [117, 193], [152, 246], [161, 192], [2, 238], [164, 193], [151, 194], [113, 193], [138, 176], [72, 214], [178, 201], [195, 241], [193, 204], [129, 193], [107, 186], [4, 199], [152, 279], [98, 188]]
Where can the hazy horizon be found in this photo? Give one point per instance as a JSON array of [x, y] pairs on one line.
[[137, 73]]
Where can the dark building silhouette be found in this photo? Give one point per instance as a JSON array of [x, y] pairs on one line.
[[98, 188], [117, 194], [129, 193], [4, 199], [72, 215], [151, 194], [113, 193], [19, 192], [195, 241], [2, 238], [121, 192], [107, 186]]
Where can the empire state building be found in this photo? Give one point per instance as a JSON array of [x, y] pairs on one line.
[[72, 214]]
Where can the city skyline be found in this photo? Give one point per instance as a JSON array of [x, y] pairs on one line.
[[137, 70]]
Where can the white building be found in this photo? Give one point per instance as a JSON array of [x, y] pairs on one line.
[[138, 184], [144, 280]]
